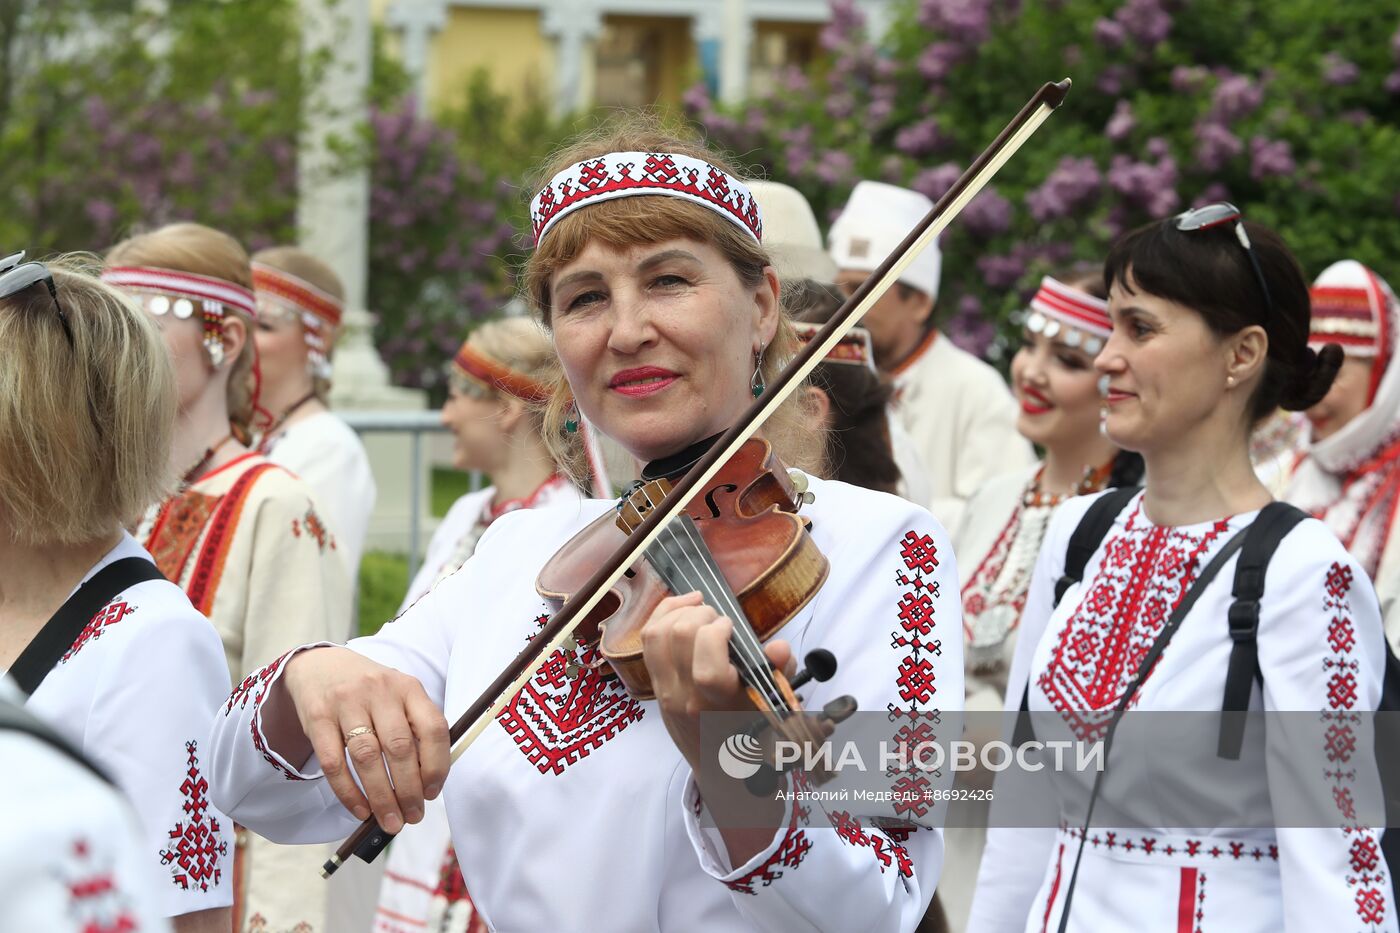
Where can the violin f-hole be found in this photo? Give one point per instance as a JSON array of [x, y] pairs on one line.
[[710, 497]]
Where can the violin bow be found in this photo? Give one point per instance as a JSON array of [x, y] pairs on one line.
[[369, 839]]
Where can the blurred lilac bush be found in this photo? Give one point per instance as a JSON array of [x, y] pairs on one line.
[[1290, 108]]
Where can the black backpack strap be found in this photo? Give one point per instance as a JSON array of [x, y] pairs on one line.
[[59, 633], [1272, 525], [1093, 527], [18, 719], [1089, 534]]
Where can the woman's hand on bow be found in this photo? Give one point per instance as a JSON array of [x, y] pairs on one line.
[[345, 706]]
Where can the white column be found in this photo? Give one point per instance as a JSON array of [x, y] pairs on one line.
[[570, 23], [417, 21], [728, 23]]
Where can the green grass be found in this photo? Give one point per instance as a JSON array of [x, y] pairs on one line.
[[384, 575]]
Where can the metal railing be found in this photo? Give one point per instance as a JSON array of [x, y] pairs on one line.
[[416, 424]]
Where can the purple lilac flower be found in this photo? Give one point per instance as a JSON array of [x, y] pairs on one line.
[[1395, 45], [1236, 96], [1122, 123], [1109, 33], [1145, 20], [1141, 184], [933, 183], [938, 60], [1001, 272], [1337, 71], [879, 110], [1073, 183], [1215, 146], [840, 106], [1392, 82], [967, 21], [988, 214], [835, 167], [1212, 193], [1158, 148], [846, 22], [969, 329], [918, 139], [1112, 79], [697, 98], [1270, 157], [1188, 78]]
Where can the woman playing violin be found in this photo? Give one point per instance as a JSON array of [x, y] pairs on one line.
[[581, 806]]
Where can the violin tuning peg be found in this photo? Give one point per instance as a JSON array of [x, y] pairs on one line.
[[569, 644], [840, 709], [571, 670], [808, 498], [799, 480], [820, 665]]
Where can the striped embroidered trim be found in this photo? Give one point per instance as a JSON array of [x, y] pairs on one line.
[[1073, 307], [168, 281], [789, 854], [209, 567], [1146, 844]]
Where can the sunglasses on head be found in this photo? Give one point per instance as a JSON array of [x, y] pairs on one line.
[[1219, 214], [16, 275]]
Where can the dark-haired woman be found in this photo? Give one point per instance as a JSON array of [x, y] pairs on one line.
[[850, 400], [1351, 475], [1056, 387], [1210, 329]]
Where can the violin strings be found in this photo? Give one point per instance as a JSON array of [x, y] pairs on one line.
[[744, 657], [744, 638], [744, 647]]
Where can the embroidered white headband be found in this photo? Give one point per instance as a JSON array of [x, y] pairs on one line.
[[624, 174], [1083, 318], [185, 284]]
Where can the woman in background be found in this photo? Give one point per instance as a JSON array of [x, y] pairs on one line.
[[300, 302], [497, 385], [1350, 477], [240, 535]]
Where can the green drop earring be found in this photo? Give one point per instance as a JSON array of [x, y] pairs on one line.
[[756, 384], [571, 420]]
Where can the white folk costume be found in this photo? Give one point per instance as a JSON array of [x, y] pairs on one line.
[[249, 547], [74, 858], [956, 408], [575, 773], [1351, 479], [321, 449], [136, 693], [423, 885], [1320, 649], [1275, 448], [997, 544], [328, 456]]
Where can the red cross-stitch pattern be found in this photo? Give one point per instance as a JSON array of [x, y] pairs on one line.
[[1150, 845], [1145, 572], [452, 889], [1368, 874], [197, 848], [95, 902], [887, 852], [557, 721], [1200, 902], [257, 679], [109, 615]]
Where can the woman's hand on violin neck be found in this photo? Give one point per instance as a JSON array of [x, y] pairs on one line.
[[395, 738], [685, 645]]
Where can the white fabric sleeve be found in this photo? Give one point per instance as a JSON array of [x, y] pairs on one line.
[[1014, 860], [73, 858], [291, 802], [845, 872], [989, 444], [1321, 648], [148, 730]]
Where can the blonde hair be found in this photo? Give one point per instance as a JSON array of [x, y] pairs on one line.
[[85, 430], [201, 250], [296, 261], [625, 222]]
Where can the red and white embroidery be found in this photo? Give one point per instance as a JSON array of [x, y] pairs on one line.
[[887, 852], [95, 902], [1368, 876], [1215, 848], [257, 679], [1146, 570], [913, 637], [623, 174], [315, 528], [197, 847], [110, 614], [789, 854], [557, 720]]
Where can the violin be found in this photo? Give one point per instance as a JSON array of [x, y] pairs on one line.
[[658, 510]]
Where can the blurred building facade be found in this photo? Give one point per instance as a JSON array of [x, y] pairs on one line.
[[612, 53]]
